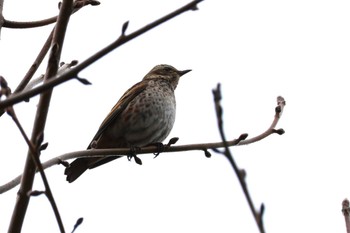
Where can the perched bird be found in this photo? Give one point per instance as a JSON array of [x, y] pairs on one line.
[[145, 114]]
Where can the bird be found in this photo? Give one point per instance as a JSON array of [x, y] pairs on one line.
[[144, 115]]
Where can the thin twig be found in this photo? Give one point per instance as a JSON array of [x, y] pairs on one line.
[[120, 152], [40, 121], [346, 213], [35, 151], [78, 4], [29, 24], [239, 172], [124, 151], [278, 113], [71, 74], [33, 68]]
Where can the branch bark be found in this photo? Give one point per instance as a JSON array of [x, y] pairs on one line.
[[40, 120], [149, 149], [257, 214], [346, 213], [78, 4]]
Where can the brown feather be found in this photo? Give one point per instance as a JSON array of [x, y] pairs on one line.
[[80, 165]]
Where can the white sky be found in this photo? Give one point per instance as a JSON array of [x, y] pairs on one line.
[[257, 50]]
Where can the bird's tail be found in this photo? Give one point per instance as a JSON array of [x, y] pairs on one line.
[[79, 166]]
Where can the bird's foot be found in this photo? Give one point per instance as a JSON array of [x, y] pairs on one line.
[[133, 154], [160, 148]]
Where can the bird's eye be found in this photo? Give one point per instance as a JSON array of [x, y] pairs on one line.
[[167, 69]]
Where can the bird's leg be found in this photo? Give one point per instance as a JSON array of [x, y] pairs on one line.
[[133, 153], [160, 148]]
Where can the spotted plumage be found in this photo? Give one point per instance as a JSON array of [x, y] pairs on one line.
[[145, 114]]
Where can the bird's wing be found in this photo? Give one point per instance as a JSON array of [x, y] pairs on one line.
[[128, 96]]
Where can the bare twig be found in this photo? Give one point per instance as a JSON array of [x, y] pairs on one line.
[[33, 68], [145, 150], [77, 224], [346, 213], [78, 4], [40, 121], [258, 215], [30, 24], [71, 74], [124, 151], [35, 152], [278, 113]]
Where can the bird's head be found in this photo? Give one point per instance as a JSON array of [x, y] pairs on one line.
[[166, 72]]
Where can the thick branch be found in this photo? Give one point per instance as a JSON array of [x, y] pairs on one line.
[[39, 124], [16, 98]]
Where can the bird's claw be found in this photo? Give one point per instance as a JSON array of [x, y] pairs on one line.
[[160, 148], [133, 153]]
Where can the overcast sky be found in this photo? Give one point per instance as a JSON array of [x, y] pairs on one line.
[[257, 50]]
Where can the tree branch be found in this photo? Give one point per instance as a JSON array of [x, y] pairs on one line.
[[72, 73], [40, 120], [278, 113], [35, 150], [33, 68], [258, 215], [144, 150], [78, 4], [346, 213]]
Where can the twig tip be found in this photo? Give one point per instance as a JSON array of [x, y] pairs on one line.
[[125, 26], [173, 141], [279, 131], [207, 153], [243, 136], [77, 224], [83, 81]]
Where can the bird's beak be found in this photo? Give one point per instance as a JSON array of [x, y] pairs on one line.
[[183, 72]]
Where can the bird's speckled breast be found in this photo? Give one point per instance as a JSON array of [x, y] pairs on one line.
[[153, 114]]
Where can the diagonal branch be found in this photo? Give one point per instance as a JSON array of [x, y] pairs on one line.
[[72, 73], [227, 153], [33, 68], [35, 152]]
